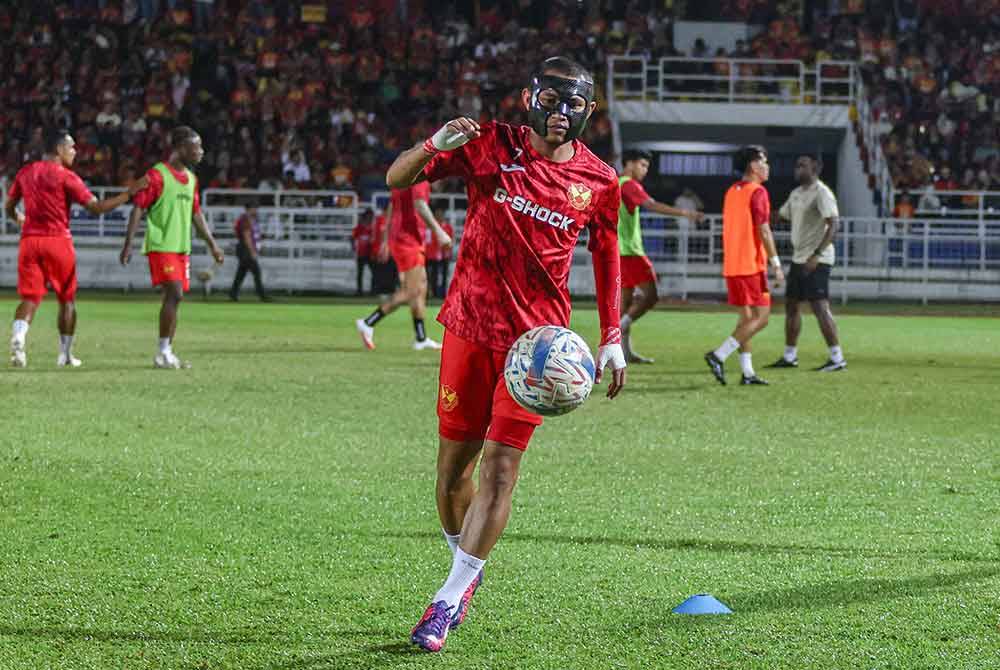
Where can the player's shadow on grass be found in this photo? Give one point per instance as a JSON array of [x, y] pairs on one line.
[[641, 389], [242, 351], [851, 591], [721, 546], [389, 655], [200, 637]]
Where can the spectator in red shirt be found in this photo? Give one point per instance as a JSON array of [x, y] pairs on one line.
[[361, 240], [385, 279], [247, 251]]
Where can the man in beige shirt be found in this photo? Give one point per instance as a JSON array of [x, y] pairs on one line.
[[812, 210]]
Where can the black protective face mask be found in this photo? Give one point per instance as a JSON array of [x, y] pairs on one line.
[[538, 114]]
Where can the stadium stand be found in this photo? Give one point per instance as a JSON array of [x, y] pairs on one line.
[[350, 83]]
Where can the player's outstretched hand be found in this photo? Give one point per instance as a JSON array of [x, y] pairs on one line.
[[611, 353], [697, 216], [19, 219], [217, 254], [138, 185], [126, 255], [455, 133], [444, 242]]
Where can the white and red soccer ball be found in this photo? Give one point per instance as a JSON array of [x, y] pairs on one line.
[[549, 370]]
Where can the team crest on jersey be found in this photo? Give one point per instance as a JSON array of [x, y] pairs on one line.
[[579, 196], [449, 398], [168, 269]]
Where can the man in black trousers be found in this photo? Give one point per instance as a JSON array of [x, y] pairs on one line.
[[247, 237]]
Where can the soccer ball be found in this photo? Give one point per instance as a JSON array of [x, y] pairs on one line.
[[549, 370]]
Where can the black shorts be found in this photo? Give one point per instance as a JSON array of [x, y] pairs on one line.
[[812, 286]]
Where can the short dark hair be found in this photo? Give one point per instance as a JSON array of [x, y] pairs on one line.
[[53, 138], [565, 67], [747, 155], [636, 155], [180, 135]]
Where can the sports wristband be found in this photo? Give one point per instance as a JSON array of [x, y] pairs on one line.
[[775, 261]]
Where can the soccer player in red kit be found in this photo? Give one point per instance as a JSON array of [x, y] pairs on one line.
[[747, 250], [409, 217], [171, 204], [638, 274], [46, 256], [532, 192]]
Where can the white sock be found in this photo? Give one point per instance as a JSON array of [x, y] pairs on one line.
[[452, 540], [66, 344], [727, 348], [836, 354], [165, 345], [464, 569], [791, 354], [19, 330], [626, 322], [746, 362]]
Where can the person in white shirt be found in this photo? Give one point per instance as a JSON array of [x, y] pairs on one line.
[[812, 210]]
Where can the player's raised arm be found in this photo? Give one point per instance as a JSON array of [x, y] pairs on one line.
[[95, 206], [607, 280], [409, 165], [668, 210]]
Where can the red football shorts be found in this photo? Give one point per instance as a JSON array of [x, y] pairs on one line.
[[407, 257], [636, 271], [164, 267], [473, 402], [749, 290], [43, 263]]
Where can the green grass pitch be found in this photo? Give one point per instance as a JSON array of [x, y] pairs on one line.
[[272, 508]]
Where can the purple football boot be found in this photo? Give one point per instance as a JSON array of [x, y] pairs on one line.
[[432, 630]]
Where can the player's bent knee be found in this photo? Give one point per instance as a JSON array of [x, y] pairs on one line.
[[499, 476]]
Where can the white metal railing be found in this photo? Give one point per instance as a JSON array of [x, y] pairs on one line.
[[279, 198], [877, 258], [731, 80], [871, 139]]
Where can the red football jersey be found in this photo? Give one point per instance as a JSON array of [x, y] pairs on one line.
[[408, 229], [362, 236], [48, 190], [523, 220]]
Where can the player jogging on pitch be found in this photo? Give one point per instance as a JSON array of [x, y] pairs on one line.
[[532, 191], [409, 217], [171, 203], [46, 256], [638, 274], [747, 249]]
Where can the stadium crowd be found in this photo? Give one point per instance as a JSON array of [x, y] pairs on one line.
[[323, 95]]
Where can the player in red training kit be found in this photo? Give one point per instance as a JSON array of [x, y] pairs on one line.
[[46, 255], [409, 216], [532, 191]]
